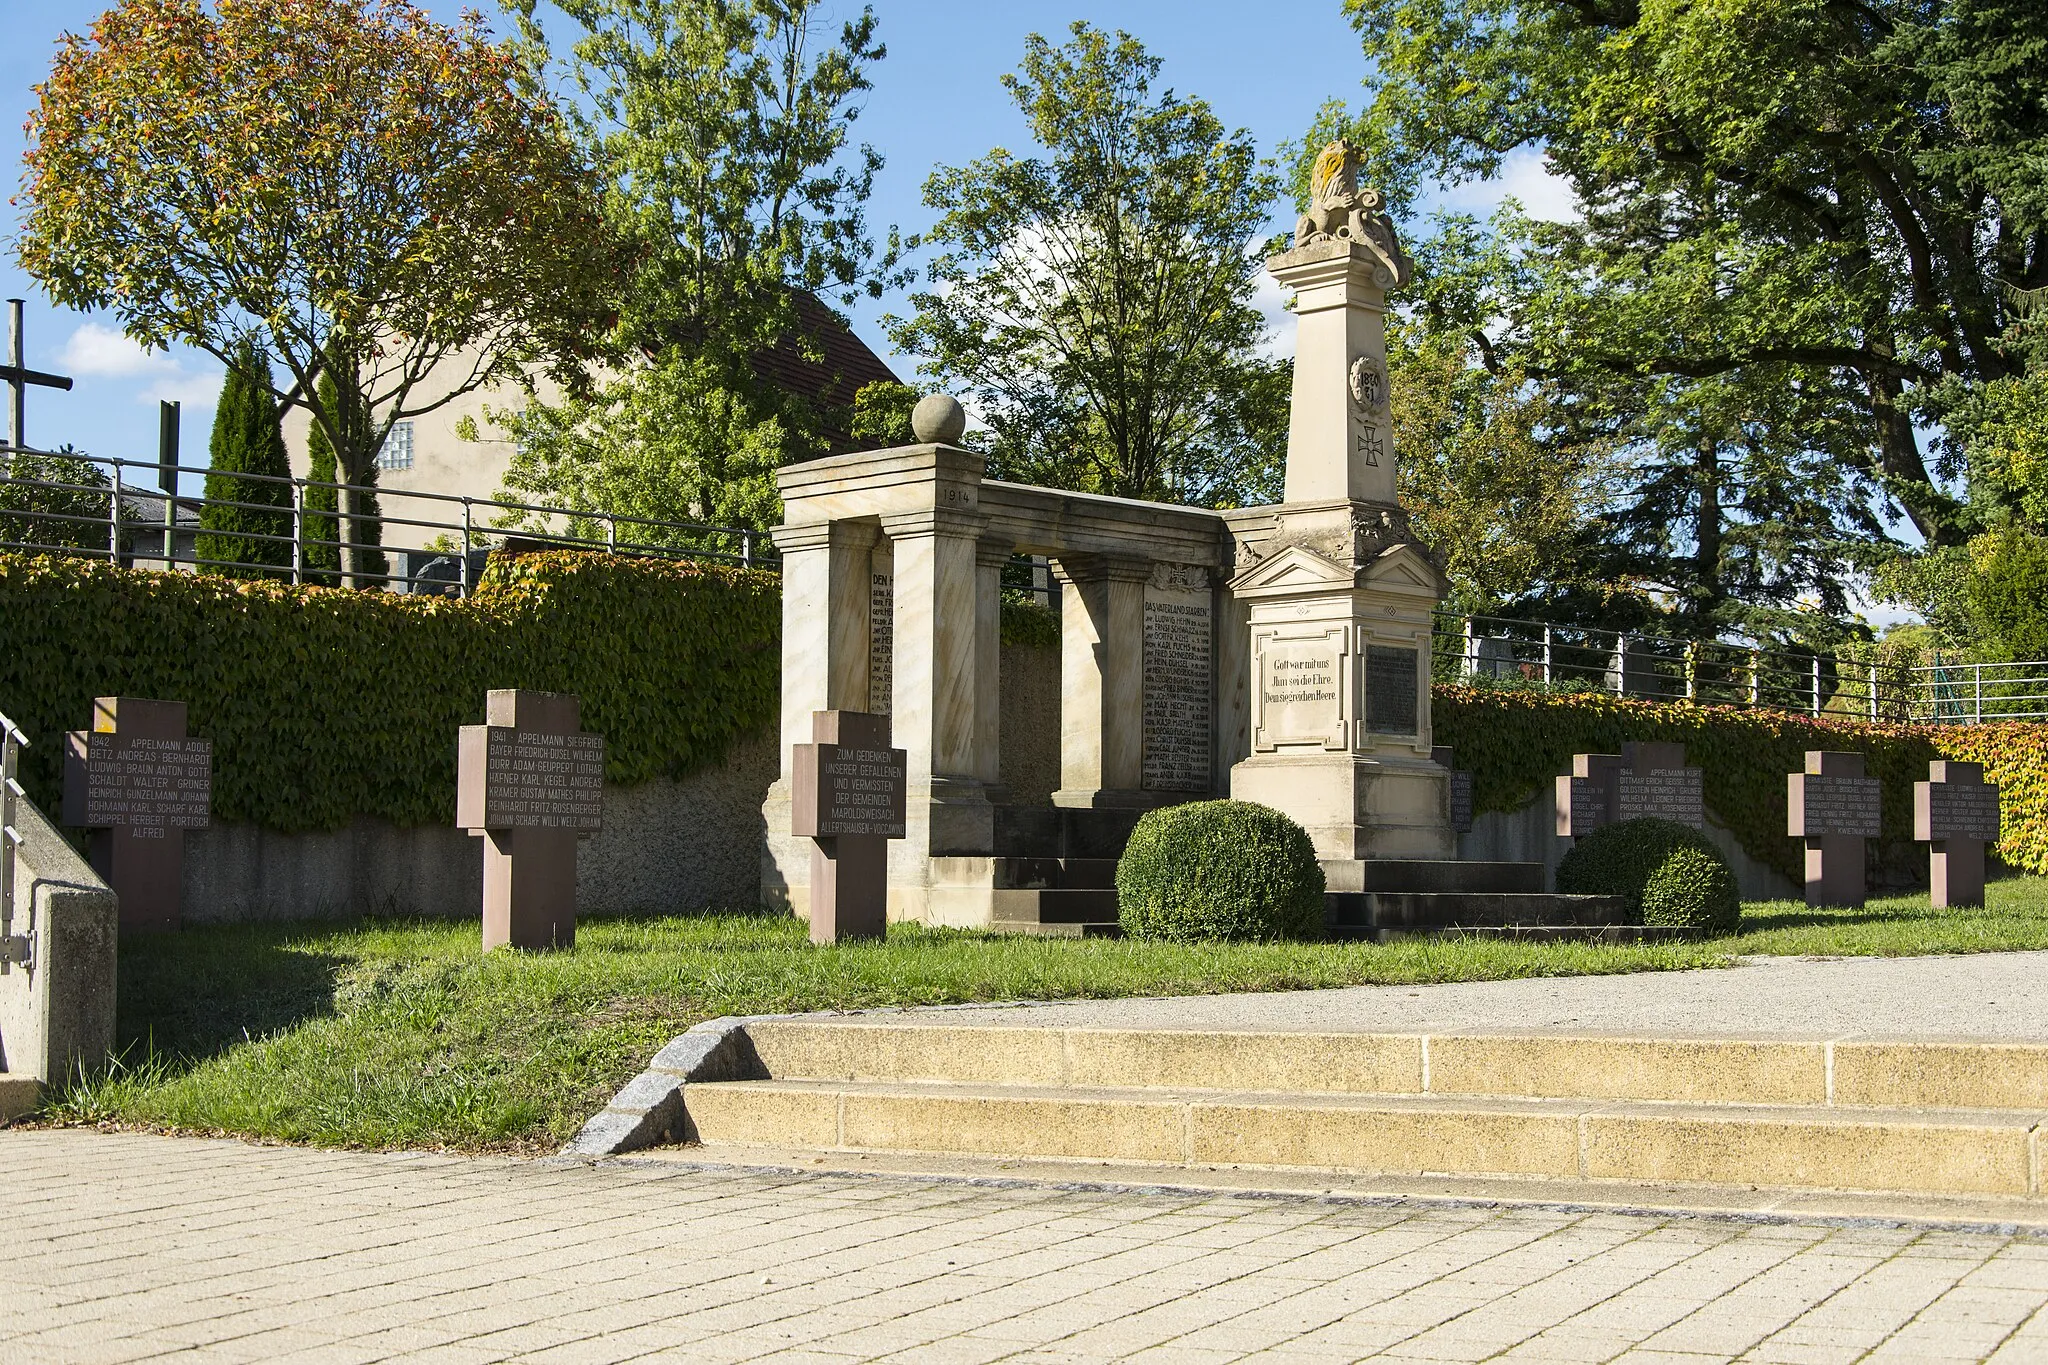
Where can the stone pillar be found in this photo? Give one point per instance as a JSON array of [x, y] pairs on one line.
[[826, 584], [1340, 434], [1102, 681], [936, 692], [990, 559]]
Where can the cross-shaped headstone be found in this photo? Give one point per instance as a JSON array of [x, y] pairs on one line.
[[1834, 808], [848, 790], [18, 377], [1646, 780], [1956, 812], [530, 782], [139, 782]]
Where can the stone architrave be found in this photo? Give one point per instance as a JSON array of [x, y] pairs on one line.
[[138, 782], [1461, 789], [848, 794], [530, 781], [1834, 808], [1644, 781], [1956, 812]]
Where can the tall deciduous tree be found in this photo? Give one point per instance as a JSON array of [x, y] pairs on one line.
[[1095, 303], [246, 523], [1825, 190], [369, 194], [722, 131]]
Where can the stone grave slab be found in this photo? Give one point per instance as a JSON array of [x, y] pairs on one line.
[[138, 782], [530, 782], [1955, 813], [1835, 809], [849, 793], [1646, 780]]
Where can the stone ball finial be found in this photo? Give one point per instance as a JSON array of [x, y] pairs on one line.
[[938, 419]]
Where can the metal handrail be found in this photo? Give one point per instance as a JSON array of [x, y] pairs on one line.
[[13, 949], [481, 521]]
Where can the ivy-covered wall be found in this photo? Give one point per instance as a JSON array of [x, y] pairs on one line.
[[326, 703], [1514, 743]]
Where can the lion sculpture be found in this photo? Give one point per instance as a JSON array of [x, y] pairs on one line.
[[1340, 211]]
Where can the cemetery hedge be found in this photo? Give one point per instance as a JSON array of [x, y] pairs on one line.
[[1516, 742], [328, 703]]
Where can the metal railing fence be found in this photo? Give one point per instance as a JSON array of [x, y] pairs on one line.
[[107, 515], [1867, 685], [13, 947]]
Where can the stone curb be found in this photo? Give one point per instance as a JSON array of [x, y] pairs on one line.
[[649, 1109]]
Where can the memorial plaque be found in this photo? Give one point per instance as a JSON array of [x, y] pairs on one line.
[[1820, 806], [137, 782], [1300, 696], [1390, 687], [1645, 781], [841, 790], [1461, 789], [1661, 794], [847, 794], [1957, 810], [881, 641], [1179, 677], [531, 780]]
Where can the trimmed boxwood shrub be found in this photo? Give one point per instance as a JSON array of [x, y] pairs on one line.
[[1219, 870], [1672, 875]]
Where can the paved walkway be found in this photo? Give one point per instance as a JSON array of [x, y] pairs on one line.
[[1978, 995], [121, 1248]]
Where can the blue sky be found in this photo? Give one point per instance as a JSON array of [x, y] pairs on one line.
[[937, 100]]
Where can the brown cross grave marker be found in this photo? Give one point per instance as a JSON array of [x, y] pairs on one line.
[[1956, 812], [1647, 780], [848, 790], [531, 782], [138, 782], [1834, 808]]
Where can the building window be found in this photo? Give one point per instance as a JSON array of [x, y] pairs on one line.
[[396, 452]]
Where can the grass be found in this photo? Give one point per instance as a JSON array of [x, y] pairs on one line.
[[400, 1034]]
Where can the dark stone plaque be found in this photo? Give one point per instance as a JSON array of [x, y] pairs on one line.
[[1959, 810], [1390, 690], [881, 641], [1178, 679], [128, 781], [1461, 801], [842, 790], [1822, 806], [1661, 794], [532, 779]]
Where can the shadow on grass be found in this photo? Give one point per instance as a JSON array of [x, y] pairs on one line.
[[185, 997]]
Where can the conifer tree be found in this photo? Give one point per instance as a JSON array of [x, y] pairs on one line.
[[247, 439]]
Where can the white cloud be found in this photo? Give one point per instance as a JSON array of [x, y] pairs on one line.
[[1271, 299], [193, 390], [104, 353], [1526, 175]]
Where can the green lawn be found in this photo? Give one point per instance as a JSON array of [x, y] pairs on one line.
[[400, 1034]]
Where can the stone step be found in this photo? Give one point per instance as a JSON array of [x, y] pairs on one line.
[[18, 1095], [1062, 832], [1070, 874], [1944, 1152], [1425, 911], [1416, 874], [1858, 1072]]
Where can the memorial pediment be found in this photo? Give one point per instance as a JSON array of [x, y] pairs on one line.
[[1403, 568], [1291, 570]]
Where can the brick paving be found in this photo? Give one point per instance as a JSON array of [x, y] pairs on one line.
[[122, 1248]]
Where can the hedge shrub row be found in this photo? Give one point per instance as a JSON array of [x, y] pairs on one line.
[[326, 703], [1515, 743]]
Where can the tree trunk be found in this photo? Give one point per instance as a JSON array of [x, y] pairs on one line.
[[1708, 591]]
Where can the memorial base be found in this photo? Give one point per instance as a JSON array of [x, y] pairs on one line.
[[1353, 806], [529, 889], [1955, 873]]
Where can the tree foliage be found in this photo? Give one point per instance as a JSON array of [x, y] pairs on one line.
[[722, 133], [367, 193], [1096, 301], [58, 501], [237, 540], [1814, 193]]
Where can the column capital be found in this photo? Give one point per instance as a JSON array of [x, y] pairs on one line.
[[994, 551], [817, 535], [933, 521], [1099, 568]]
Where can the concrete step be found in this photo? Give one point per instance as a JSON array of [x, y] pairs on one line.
[[1405, 874], [1428, 911], [1857, 1072], [1944, 1152], [18, 1095]]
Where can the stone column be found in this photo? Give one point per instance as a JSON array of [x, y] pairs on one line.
[[826, 582], [938, 647], [991, 557], [1102, 681], [1340, 434]]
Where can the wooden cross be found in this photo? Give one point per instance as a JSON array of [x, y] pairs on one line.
[[18, 377]]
